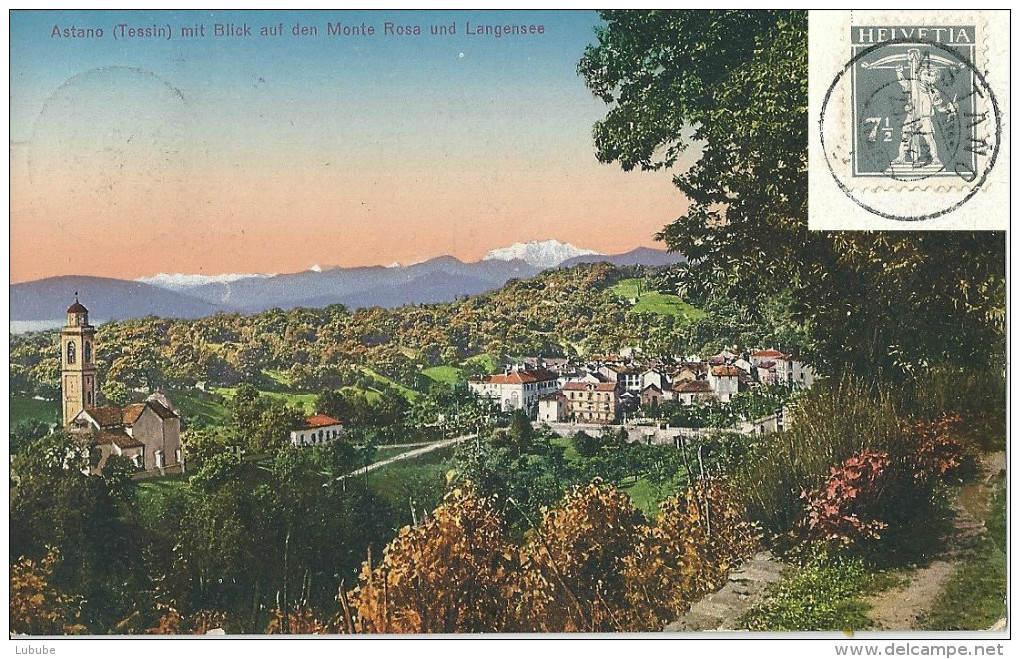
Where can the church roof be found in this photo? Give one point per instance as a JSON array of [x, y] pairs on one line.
[[131, 413], [161, 410], [112, 416], [107, 416], [77, 307], [118, 438]]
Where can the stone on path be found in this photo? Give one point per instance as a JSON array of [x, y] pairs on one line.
[[723, 609]]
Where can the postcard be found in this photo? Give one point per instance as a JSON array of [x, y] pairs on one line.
[[407, 323]]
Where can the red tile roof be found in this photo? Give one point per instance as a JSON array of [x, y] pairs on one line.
[[107, 416], [775, 354], [161, 410], [518, 377], [725, 371], [118, 438], [77, 307], [132, 412], [319, 421], [693, 387], [589, 386]]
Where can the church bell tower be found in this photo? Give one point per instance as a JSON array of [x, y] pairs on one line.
[[77, 362]]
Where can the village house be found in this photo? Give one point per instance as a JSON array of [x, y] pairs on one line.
[[760, 357], [516, 390], [147, 433], [316, 429], [552, 408], [628, 377], [588, 402], [654, 376], [724, 383], [651, 396], [774, 367], [690, 391]]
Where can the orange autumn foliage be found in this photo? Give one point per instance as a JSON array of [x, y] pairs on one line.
[[571, 578], [697, 539], [454, 572], [37, 608]]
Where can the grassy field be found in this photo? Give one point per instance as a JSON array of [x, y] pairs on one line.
[[446, 374], [644, 496], [421, 480], [650, 301], [304, 401], [152, 492], [409, 394], [196, 404], [26, 407], [486, 361]]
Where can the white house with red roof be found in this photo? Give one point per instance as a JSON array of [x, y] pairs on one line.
[[316, 429], [690, 391], [516, 390], [724, 381]]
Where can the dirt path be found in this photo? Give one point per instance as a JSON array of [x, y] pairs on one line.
[[428, 448], [898, 609]]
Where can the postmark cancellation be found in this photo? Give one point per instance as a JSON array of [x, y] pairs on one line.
[[908, 120]]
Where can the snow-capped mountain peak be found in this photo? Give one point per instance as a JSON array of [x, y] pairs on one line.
[[178, 281], [541, 254]]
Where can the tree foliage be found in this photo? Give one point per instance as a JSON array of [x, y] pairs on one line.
[[727, 90]]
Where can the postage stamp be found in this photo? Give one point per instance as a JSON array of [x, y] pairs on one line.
[[907, 121]]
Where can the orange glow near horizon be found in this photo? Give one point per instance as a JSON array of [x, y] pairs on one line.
[[266, 222]]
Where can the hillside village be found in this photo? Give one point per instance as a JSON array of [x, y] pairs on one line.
[[604, 389]]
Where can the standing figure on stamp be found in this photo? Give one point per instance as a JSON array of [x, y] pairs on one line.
[[925, 100]]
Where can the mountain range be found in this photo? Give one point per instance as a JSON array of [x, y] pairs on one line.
[[441, 279]]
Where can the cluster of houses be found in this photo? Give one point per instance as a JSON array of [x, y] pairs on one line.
[[602, 388]]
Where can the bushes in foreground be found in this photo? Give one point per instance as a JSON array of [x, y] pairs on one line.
[[592, 564], [854, 460]]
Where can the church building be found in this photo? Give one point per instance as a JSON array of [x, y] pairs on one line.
[[147, 433]]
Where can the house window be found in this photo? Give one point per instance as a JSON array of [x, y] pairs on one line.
[[137, 459], [70, 352], [88, 398], [88, 352], [160, 461]]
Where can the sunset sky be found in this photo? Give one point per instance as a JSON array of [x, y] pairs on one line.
[[211, 155]]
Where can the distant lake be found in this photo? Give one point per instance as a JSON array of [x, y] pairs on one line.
[[23, 326]]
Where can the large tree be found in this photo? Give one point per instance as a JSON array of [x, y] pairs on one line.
[[733, 86]]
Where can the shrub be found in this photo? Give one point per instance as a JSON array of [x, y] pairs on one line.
[[698, 537], [36, 606], [572, 566], [451, 573], [936, 451], [300, 620], [873, 491], [847, 508], [832, 422], [585, 445], [977, 395]]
